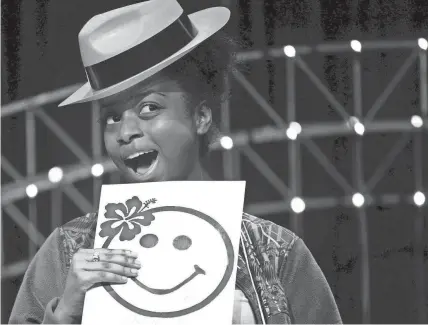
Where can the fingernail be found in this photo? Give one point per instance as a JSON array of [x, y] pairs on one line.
[[124, 278], [134, 271], [137, 262]]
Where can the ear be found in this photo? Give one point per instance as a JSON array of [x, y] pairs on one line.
[[203, 115]]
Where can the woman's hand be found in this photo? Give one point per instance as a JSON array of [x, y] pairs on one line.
[[115, 266]]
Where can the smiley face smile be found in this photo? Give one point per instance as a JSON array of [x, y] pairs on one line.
[[197, 271]]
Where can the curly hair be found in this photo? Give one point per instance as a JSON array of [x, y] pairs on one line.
[[202, 74]]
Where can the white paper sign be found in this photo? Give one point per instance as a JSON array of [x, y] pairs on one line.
[[187, 237]]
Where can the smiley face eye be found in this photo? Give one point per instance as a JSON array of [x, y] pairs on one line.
[[182, 242], [149, 240]]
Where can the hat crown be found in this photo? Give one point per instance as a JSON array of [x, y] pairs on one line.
[[114, 32]]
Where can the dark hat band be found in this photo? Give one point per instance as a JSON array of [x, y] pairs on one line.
[[143, 56]]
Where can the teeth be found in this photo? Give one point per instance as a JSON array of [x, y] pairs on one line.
[[137, 154]]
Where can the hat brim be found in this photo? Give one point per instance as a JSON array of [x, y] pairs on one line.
[[207, 21]]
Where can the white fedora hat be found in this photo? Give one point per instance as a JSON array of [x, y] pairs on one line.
[[123, 47]]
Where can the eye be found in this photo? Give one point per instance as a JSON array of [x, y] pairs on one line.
[[149, 240], [148, 108], [112, 119], [182, 242]]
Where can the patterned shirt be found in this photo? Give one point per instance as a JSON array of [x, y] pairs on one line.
[[277, 281]]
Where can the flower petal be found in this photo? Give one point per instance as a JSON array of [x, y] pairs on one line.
[[115, 211], [117, 223], [128, 233], [134, 206], [108, 230], [148, 218]]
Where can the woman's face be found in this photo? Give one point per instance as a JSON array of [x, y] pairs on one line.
[[151, 132]]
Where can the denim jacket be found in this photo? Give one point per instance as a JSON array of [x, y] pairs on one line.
[[276, 272]]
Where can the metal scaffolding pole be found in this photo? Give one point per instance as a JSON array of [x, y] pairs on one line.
[[419, 265], [56, 208], [296, 219], [2, 239], [227, 155], [38, 101], [423, 75], [419, 223], [326, 48], [359, 184], [30, 141], [97, 150]]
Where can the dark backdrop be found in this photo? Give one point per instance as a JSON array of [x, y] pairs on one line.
[[40, 53]]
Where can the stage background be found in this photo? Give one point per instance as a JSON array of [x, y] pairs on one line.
[[40, 53]]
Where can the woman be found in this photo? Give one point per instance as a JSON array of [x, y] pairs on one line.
[[160, 93]]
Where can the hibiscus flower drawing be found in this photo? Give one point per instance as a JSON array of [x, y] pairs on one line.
[[126, 219]]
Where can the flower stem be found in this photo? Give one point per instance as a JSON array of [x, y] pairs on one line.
[[108, 241]]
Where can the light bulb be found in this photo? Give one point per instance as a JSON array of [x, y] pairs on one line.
[[359, 128], [298, 205], [358, 200], [55, 174], [226, 142], [296, 127], [290, 51], [97, 170], [31, 191], [356, 125], [356, 46], [416, 121], [423, 43], [419, 198], [291, 134]]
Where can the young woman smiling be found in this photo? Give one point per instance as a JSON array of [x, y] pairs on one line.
[[160, 90]]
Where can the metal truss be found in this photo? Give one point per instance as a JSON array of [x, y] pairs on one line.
[[242, 147]]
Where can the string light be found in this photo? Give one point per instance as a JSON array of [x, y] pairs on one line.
[[423, 43], [97, 170], [358, 200], [356, 45], [296, 126], [293, 130], [55, 175], [32, 191], [416, 121], [226, 142], [298, 205], [291, 134], [419, 198], [357, 125], [290, 51], [359, 128]]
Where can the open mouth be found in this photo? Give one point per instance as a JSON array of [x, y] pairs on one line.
[[142, 161], [197, 271]]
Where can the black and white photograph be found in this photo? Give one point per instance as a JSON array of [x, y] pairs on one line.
[[169, 162]]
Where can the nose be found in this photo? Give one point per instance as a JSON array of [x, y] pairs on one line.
[[129, 129]]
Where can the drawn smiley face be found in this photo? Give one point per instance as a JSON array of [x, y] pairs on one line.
[[181, 243], [187, 260]]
